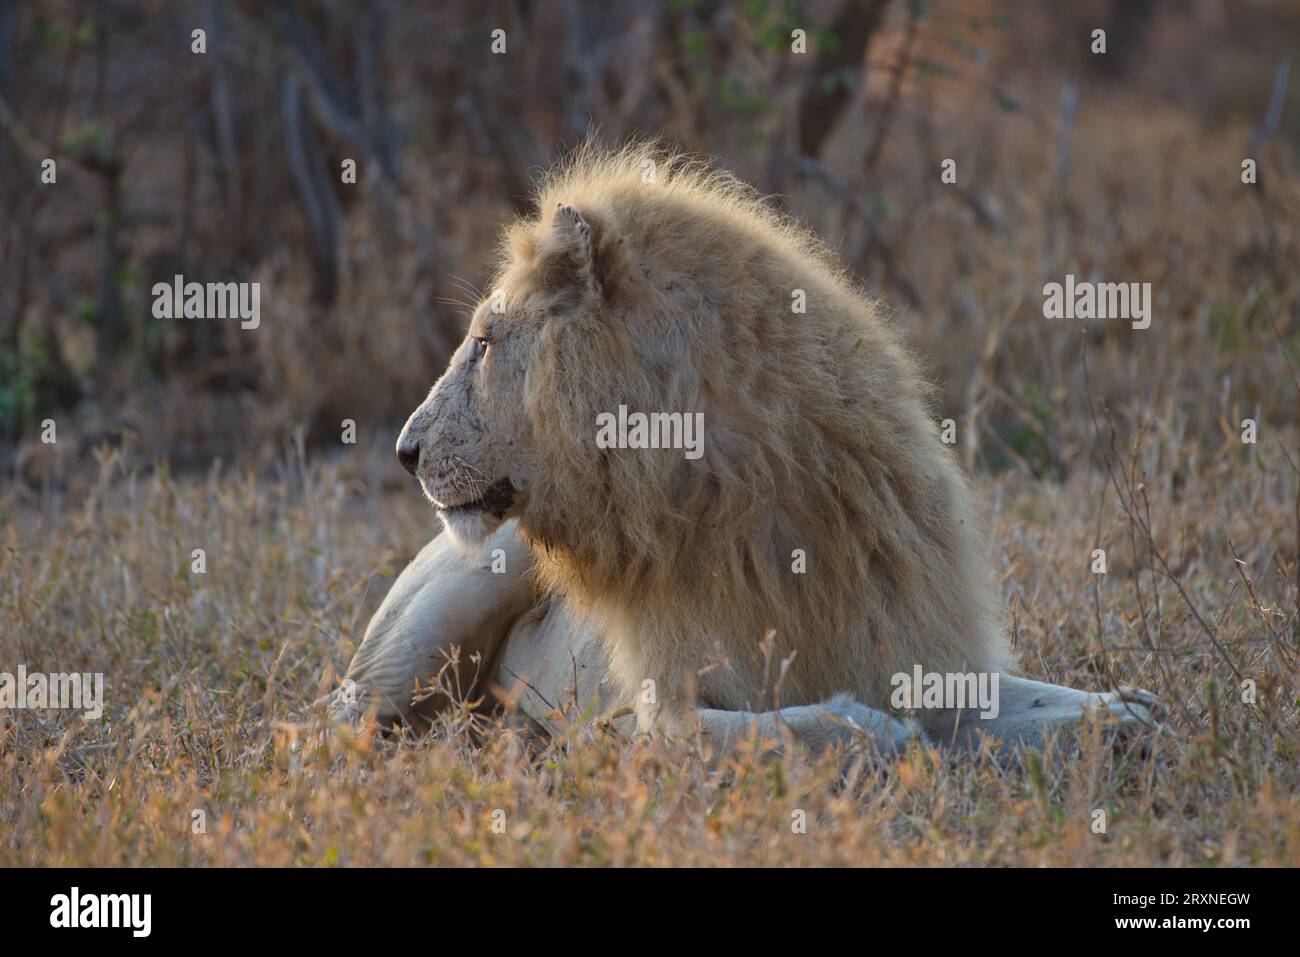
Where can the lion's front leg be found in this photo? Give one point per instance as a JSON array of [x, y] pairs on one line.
[[442, 599]]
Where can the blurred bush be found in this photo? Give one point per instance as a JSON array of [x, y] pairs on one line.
[[225, 166]]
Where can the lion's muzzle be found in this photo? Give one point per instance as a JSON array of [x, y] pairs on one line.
[[496, 500]]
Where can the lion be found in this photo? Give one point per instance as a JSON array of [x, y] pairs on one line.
[[819, 543]]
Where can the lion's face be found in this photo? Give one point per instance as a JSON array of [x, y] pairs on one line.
[[510, 413], [469, 443]]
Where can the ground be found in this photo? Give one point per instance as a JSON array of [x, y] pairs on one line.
[[209, 678]]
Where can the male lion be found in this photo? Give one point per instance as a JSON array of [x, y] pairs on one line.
[[820, 542]]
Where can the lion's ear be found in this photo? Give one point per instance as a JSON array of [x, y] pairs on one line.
[[584, 255]]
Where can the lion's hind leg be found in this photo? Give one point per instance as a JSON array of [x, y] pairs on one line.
[[839, 719], [1031, 712]]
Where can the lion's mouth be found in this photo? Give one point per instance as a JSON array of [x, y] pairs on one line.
[[498, 497]]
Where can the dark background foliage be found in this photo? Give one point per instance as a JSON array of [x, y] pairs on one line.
[[226, 166]]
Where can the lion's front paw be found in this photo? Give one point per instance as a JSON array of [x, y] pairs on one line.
[[1134, 708], [346, 704]]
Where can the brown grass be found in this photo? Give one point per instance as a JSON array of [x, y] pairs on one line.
[[209, 678]]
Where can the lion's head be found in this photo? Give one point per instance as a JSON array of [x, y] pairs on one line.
[[822, 505], [475, 443]]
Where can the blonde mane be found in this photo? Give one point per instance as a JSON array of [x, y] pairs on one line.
[[824, 509]]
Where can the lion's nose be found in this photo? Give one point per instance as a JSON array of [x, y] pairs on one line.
[[409, 456]]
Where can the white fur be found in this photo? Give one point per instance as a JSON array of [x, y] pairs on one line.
[[541, 661]]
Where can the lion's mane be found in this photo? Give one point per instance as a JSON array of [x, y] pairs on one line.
[[818, 442]]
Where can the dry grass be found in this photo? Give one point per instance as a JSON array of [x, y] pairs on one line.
[[209, 677]]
